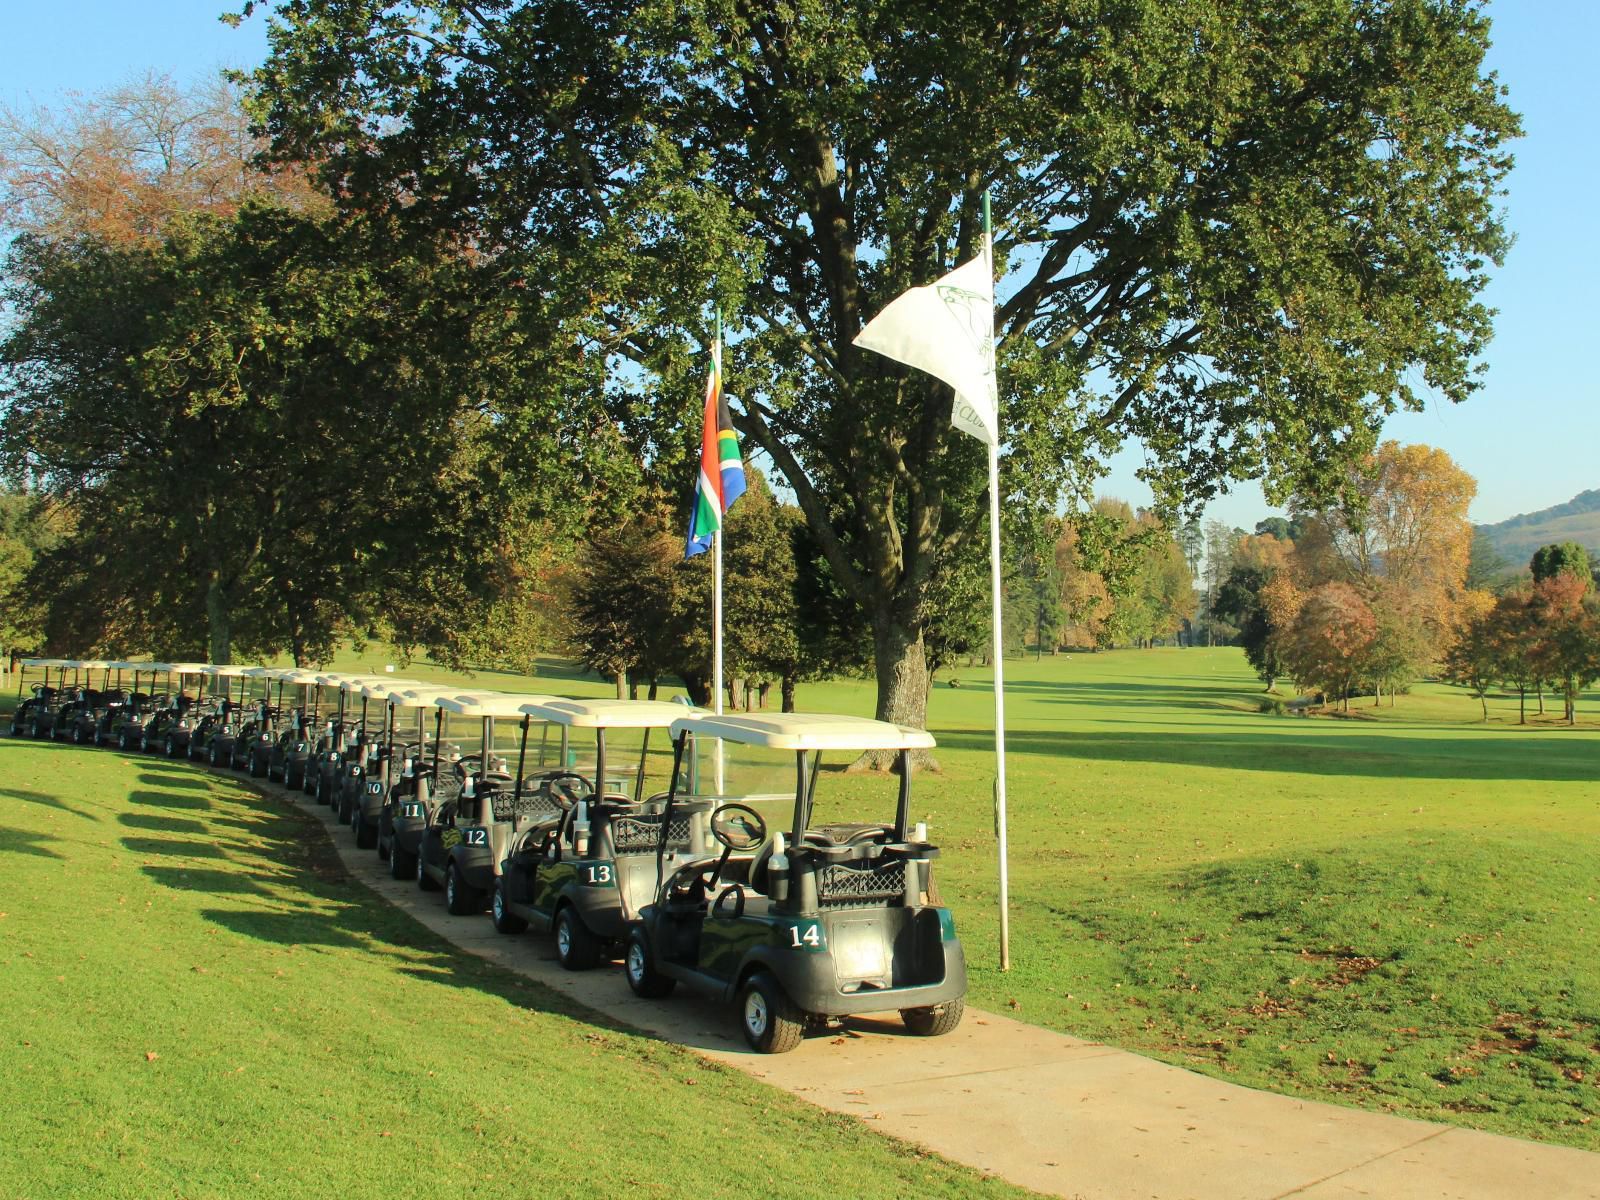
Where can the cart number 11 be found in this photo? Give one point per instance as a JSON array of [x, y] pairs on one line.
[[811, 935]]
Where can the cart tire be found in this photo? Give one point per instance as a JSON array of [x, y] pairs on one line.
[[505, 921], [402, 863], [77, 735], [577, 948], [425, 881], [171, 748], [122, 740], [460, 898], [212, 756], [640, 967], [366, 832], [346, 815], [771, 1022], [935, 1021]]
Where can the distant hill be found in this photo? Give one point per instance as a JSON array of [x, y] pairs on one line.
[[1578, 520]]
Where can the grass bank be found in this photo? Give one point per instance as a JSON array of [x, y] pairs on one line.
[[200, 1003]]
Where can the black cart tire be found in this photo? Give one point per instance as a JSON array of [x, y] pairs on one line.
[[936, 1021], [772, 1023], [461, 899], [640, 967], [171, 747], [505, 921], [577, 948], [366, 832], [425, 881], [402, 863]]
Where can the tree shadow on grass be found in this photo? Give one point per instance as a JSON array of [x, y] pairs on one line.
[[1340, 751], [45, 799], [169, 800], [160, 824], [176, 778], [16, 841]]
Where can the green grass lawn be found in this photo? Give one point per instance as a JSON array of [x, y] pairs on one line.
[[1396, 909], [199, 1003]]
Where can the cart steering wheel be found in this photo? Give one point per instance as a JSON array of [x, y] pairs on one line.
[[567, 789]]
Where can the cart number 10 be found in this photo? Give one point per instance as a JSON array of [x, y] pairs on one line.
[[811, 935]]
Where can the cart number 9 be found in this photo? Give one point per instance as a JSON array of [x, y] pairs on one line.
[[810, 936], [477, 837], [599, 873]]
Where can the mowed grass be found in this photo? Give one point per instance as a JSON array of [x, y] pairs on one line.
[[199, 1003], [1395, 909]]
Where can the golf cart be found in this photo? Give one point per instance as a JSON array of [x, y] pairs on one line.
[[217, 727], [42, 696], [259, 721], [126, 726], [169, 725], [464, 842], [803, 924], [420, 788], [586, 868], [77, 719], [367, 766], [328, 745], [287, 755]]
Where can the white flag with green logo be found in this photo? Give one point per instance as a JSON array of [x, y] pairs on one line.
[[946, 328]]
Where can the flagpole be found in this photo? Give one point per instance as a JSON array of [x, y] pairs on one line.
[[716, 612], [999, 660]]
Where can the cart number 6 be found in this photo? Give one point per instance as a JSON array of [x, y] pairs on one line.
[[811, 935]]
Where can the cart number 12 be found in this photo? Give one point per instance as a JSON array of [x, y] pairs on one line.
[[811, 935]]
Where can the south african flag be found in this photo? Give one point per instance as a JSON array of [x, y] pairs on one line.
[[721, 479]]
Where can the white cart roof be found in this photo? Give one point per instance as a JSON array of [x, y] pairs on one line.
[[493, 704], [292, 675], [384, 687], [158, 668], [610, 714], [91, 664], [260, 672], [221, 670], [417, 695], [48, 662], [189, 668], [805, 731]]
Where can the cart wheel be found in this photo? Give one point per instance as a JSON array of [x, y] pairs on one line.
[[77, 735], [640, 967], [172, 748], [211, 755], [366, 832], [577, 948], [461, 899], [505, 921], [425, 881], [936, 1021], [771, 1022], [402, 864]]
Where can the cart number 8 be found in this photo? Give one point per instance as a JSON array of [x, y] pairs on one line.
[[600, 873], [812, 936]]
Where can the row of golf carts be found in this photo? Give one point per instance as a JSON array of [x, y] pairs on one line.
[[691, 844]]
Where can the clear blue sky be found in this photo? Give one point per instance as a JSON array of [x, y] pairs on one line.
[[1531, 436]]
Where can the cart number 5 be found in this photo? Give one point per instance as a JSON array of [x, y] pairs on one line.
[[811, 935], [600, 873]]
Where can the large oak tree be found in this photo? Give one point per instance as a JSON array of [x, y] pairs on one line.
[[1239, 233]]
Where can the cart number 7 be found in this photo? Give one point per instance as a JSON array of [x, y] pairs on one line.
[[810, 936]]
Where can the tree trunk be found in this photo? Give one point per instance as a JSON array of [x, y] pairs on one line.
[[763, 693], [1483, 699], [219, 627], [786, 688], [1522, 706], [653, 686], [902, 672], [622, 685]]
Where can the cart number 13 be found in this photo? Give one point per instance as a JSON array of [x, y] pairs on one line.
[[811, 935], [599, 873]]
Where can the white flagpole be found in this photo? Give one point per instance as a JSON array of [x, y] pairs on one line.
[[716, 591], [999, 660]]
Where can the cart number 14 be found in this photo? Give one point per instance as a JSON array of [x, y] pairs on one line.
[[809, 935]]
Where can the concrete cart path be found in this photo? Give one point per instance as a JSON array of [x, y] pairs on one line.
[[1050, 1112]]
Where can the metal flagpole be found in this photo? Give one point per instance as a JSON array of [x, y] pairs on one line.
[[999, 673], [716, 581]]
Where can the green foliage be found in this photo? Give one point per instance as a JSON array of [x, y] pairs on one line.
[[26, 530], [1560, 558], [1238, 601], [277, 424], [1239, 235]]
